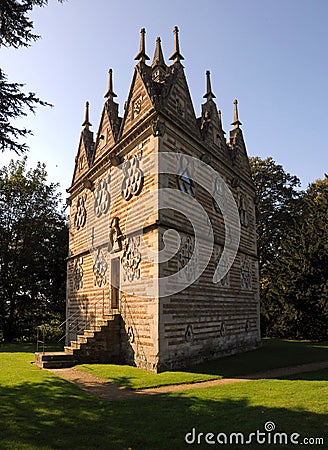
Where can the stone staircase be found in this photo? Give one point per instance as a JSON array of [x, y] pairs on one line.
[[54, 360], [98, 344]]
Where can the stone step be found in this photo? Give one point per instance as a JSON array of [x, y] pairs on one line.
[[54, 360], [74, 345], [111, 316], [82, 339], [95, 328], [101, 323], [89, 333], [69, 350]]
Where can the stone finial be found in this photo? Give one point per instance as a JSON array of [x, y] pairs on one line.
[[220, 116], [236, 121], [141, 56], [110, 94], [209, 94], [158, 59], [86, 123], [220, 121], [176, 56]]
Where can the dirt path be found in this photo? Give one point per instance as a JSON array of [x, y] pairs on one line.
[[111, 391]]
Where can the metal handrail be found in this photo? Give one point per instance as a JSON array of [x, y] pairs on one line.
[[75, 316], [86, 321], [38, 340]]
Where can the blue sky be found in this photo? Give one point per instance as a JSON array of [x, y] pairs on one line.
[[270, 55]]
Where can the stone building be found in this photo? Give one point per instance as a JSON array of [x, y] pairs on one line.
[[161, 274]]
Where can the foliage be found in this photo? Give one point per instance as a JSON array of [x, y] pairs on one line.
[[33, 248], [13, 103], [16, 30], [293, 252], [39, 410], [301, 272], [277, 194]]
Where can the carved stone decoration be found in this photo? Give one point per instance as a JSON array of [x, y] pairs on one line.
[[78, 274], [100, 269], [206, 158], [206, 126], [224, 265], [136, 107], [243, 210], [131, 259], [158, 127], [102, 197], [222, 329], [185, 260], [246, 274], [80, 216], [189, 334], [219, 195], [115, 236], [186, 170], [235, 182], [131, 335], [248, 326], [133, 177], [81, 163], [180, 107]]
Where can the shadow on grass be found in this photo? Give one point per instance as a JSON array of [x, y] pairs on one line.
[[273, 354], [57, 415], [319, 375]]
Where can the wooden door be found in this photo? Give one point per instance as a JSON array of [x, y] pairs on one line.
[[115, 282]]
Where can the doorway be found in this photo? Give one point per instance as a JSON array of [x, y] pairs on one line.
[[115, 282]]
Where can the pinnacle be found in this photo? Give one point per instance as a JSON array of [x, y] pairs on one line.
[[236, 122], [110, 94], [141, 56], [158, 59], [176, 56], [209, 94], [86, 123]]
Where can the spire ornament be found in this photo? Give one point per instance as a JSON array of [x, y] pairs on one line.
[[141, 56], [158, 59], [236, 122], [110, 94], [220, 121], [209, 94], [86, 124], [176, 56]]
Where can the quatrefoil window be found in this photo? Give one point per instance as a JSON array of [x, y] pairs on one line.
[[102, 198], [133, 178], [80, 216]]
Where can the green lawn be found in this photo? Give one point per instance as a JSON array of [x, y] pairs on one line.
[[39, 410], [134, 378], [274, 353]]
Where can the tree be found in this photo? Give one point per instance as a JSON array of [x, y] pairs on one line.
[[12, 105], [33, 248], [293, 252], [277, 195], [302, 274], [16, 30]]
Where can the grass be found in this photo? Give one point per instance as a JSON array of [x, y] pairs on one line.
[[40, 411], [274, 353], [134, 378]]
